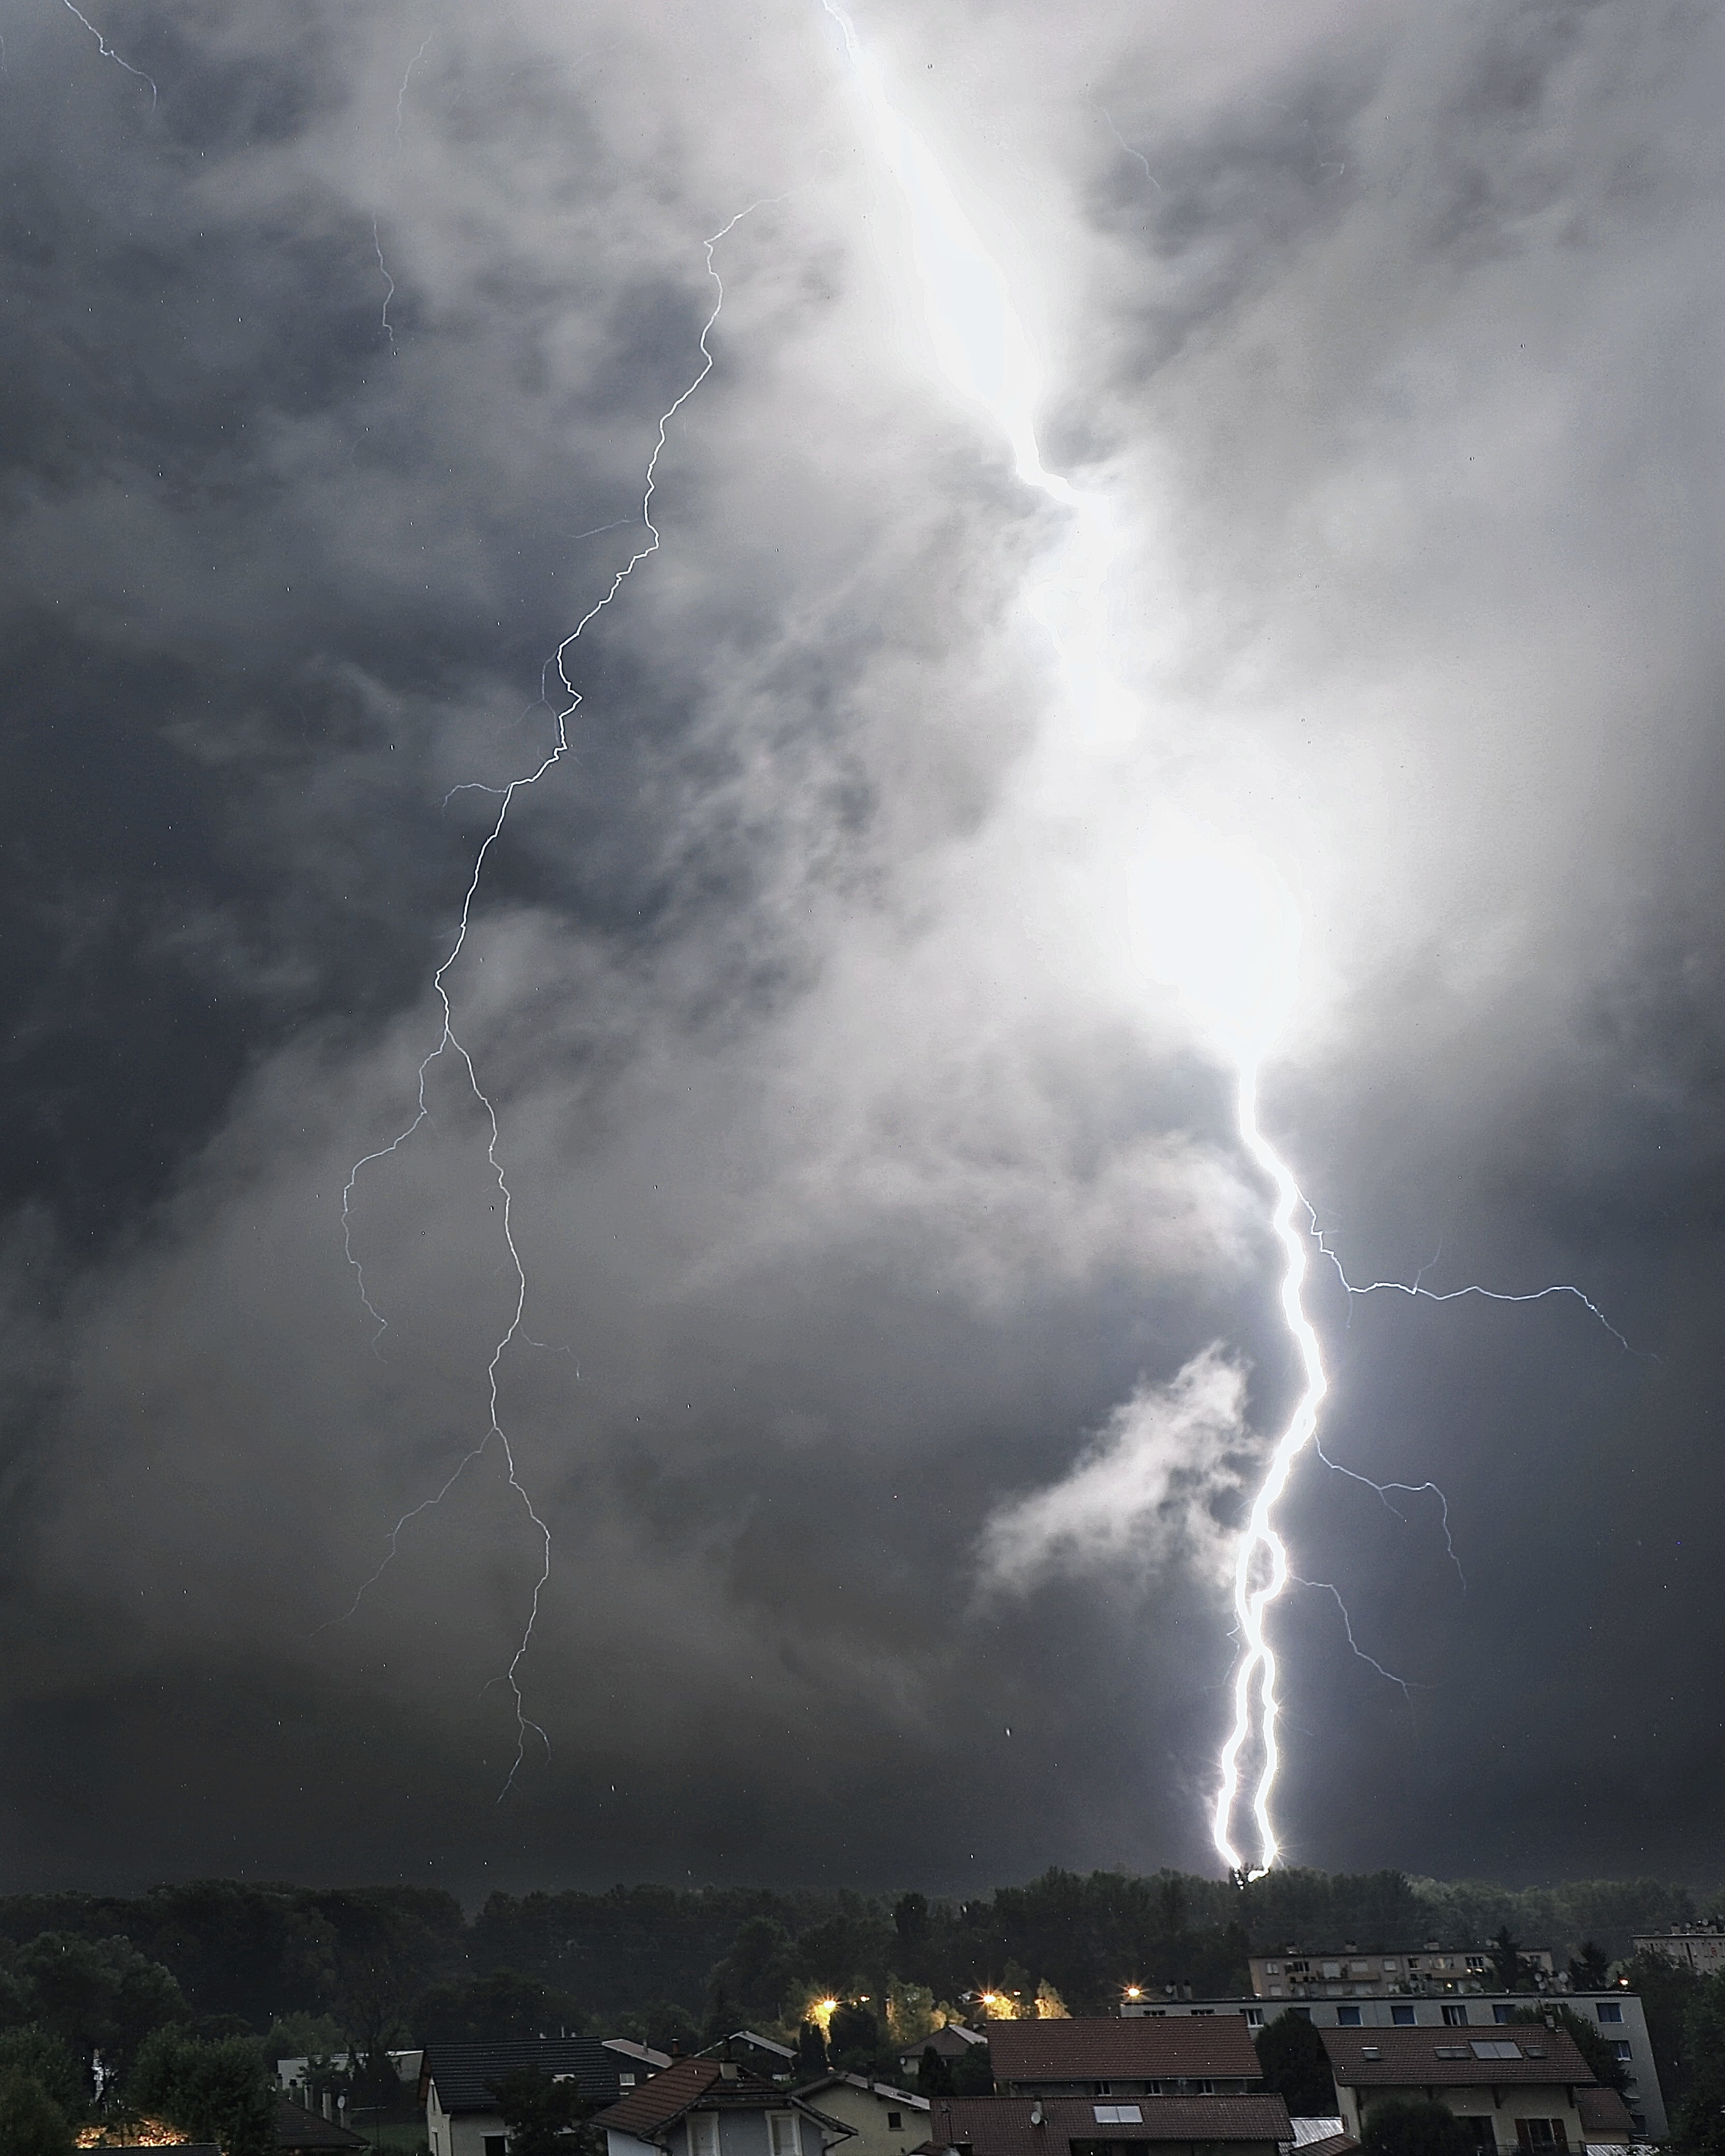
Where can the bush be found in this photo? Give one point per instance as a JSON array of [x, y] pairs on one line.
[[31, 2122], [1403, 2127], [217, 2092], [45, 2059]]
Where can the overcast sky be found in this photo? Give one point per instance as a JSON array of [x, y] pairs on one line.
[[900, 1326]]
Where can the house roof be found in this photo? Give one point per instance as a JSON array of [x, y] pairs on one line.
[[1454, 2058], [463, 2072], [885, 2090], [1604, 2115], [640, 2054], [703, 2084], [1007, 2125], [297, 2127], [1104, 2049], [1330, 2144]]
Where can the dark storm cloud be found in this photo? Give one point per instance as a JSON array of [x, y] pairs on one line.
[[870, 1204]]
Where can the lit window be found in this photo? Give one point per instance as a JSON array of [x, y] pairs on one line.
[[703, 2134], [782, 2134]]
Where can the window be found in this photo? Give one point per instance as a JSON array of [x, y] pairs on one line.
[[1501, 2014], [1118, 2114], [1371, 2050], [1449, 2051], [1102, 2088], [1494, 2047], [1402, 2016], [1540, 2134], [1455, 2017], [1206, 2088], [894, 2122], [1199, 2011], [703, 2134], [1608, 2009], [1620, 2050], [496, 2143], [1332, 1968], [1272, 1969], [625, 2080], [1390, 1967], [1255, 2017], [782, 2133], [1348, 2017]]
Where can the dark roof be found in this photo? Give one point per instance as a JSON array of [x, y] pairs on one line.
[[1604, 2115], [1104, 2049], [463, 2072], [704, 2085], [1452, 2058], [1003, 2125], [297, 2127]]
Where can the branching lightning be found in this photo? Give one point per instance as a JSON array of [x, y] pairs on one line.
[[449, 1043], [1226, 926], [107, 53]]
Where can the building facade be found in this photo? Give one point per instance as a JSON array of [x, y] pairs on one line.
[[1700, 1946], [1617, 2015], [884, 2120], [1431, 1971], [1516, 2092]]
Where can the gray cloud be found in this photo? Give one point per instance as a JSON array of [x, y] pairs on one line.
[[872, 1201]]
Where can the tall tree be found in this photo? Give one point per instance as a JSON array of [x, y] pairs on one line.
[[1296, 2066], [31, 2122], [1403, 2125]]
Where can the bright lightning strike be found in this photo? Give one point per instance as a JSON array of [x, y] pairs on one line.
[[1215, 920], [448, 1043]]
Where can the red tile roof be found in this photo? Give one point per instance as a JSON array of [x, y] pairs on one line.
[[647, 2110], [1454, 2058], [1604, 2115], [1150, 2048], [1004, 2125]]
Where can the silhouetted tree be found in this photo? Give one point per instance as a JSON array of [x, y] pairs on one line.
[[1700, 2117], [1588, 1968], [542, 2115], [934, 2076], [31, 2122], [811, 2052], [1511, 1967], [217, 2092], [974, 2074], [1296, 2066], [853, 2038], [1402, 2125]]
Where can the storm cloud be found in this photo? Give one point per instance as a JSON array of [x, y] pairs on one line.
[[885, 1238]]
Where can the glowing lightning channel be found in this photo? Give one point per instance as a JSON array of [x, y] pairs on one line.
[[449, 1043], [107, 53], [1223, 923], [1216, 921]]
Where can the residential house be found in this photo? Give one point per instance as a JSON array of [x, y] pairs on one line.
[[714, 2107], [299, 2073], [885, 2121], [1621, 2021], [1194, 2055], [1515, 2090], [457, 2081], [1431, 1970], [1073, 2126], [635, 2061]]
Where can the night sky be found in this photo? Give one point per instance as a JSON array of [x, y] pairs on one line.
[[901, 1335]]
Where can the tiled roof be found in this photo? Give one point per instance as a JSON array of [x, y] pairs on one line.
[[464, 2073], [1453, 2058], [1104, 2049], [951, 2041], [648, 2109], [1604, 2115], [1006, 2125], [297, 2127]]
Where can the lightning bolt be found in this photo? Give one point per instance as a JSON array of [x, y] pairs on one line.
[[1227, 928], [107, 53], [449, 1043]]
